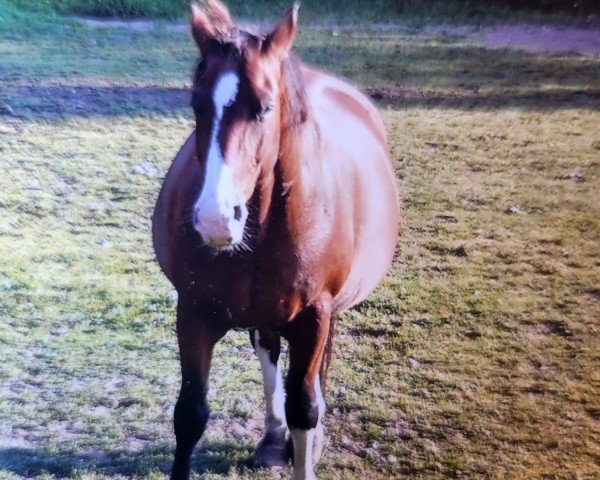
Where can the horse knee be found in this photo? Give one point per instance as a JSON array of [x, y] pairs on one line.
[[302, 409], [190, 418]]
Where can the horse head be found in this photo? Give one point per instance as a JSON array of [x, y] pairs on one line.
[[238, 101]]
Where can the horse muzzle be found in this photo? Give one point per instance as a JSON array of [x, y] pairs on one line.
[[219, 230]]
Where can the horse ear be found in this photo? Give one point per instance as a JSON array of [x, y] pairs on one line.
[[212, 23], [202, 30], [280, 41]]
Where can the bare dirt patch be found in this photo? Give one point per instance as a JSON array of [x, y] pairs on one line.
[[529, 100], [530, 38], [140, 25], [51, 101], [543, 39]]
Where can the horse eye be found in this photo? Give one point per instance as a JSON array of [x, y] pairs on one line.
[[264, 112]]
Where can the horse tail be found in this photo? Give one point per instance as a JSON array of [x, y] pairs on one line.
[[328, 353]]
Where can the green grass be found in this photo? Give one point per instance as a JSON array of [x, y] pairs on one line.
[[177, 9], [348, 11], [476, 366]]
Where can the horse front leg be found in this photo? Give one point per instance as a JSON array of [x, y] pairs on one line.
[[305, 406], [197, 336], [272, 450]]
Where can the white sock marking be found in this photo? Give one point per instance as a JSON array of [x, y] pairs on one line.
[[273, 387], [303, 454], [308, 444], [319, 430]]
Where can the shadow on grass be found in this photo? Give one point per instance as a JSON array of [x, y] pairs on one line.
[[546, 100], [448, 61], [52, 104], [405, 74], [30, 462]]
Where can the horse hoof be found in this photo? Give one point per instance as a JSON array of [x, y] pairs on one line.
[[273, 451], [271, 457]]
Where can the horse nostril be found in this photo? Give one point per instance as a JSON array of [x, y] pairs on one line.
[[237, 212]]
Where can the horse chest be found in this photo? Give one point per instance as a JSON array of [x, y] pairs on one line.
[[245, 291]]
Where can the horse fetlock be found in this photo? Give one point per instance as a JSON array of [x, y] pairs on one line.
[[190, 418], [276, 423], [319, 443], [276, 435]]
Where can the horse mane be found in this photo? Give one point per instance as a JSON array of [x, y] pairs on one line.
[[295, 100]]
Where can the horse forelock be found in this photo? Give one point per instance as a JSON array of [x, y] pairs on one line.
[[229, 44]]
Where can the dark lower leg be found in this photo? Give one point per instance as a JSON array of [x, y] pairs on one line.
[[191, 415], [304, 405], [196, 339]]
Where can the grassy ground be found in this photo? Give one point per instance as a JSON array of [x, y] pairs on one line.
[[476, 358], [387, 10], [332, 11]]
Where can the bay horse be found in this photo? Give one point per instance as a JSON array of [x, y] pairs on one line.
[[279, 211]]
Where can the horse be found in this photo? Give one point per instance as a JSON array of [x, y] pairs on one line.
[[279, 211]]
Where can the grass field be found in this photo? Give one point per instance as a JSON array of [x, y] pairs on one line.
[[476, 358], [334, 11]]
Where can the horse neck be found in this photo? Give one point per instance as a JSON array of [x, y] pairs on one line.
[[298, 148], [299, 137], [285, 185]]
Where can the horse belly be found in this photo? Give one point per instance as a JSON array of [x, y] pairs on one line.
[[375, 240], [359, 156]]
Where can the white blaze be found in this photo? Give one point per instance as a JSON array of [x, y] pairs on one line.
[[214, 209]]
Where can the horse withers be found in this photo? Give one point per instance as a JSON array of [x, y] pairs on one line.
[[279, 211]]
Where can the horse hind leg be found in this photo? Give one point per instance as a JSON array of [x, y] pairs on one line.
[[273, 449], [305, 405]]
